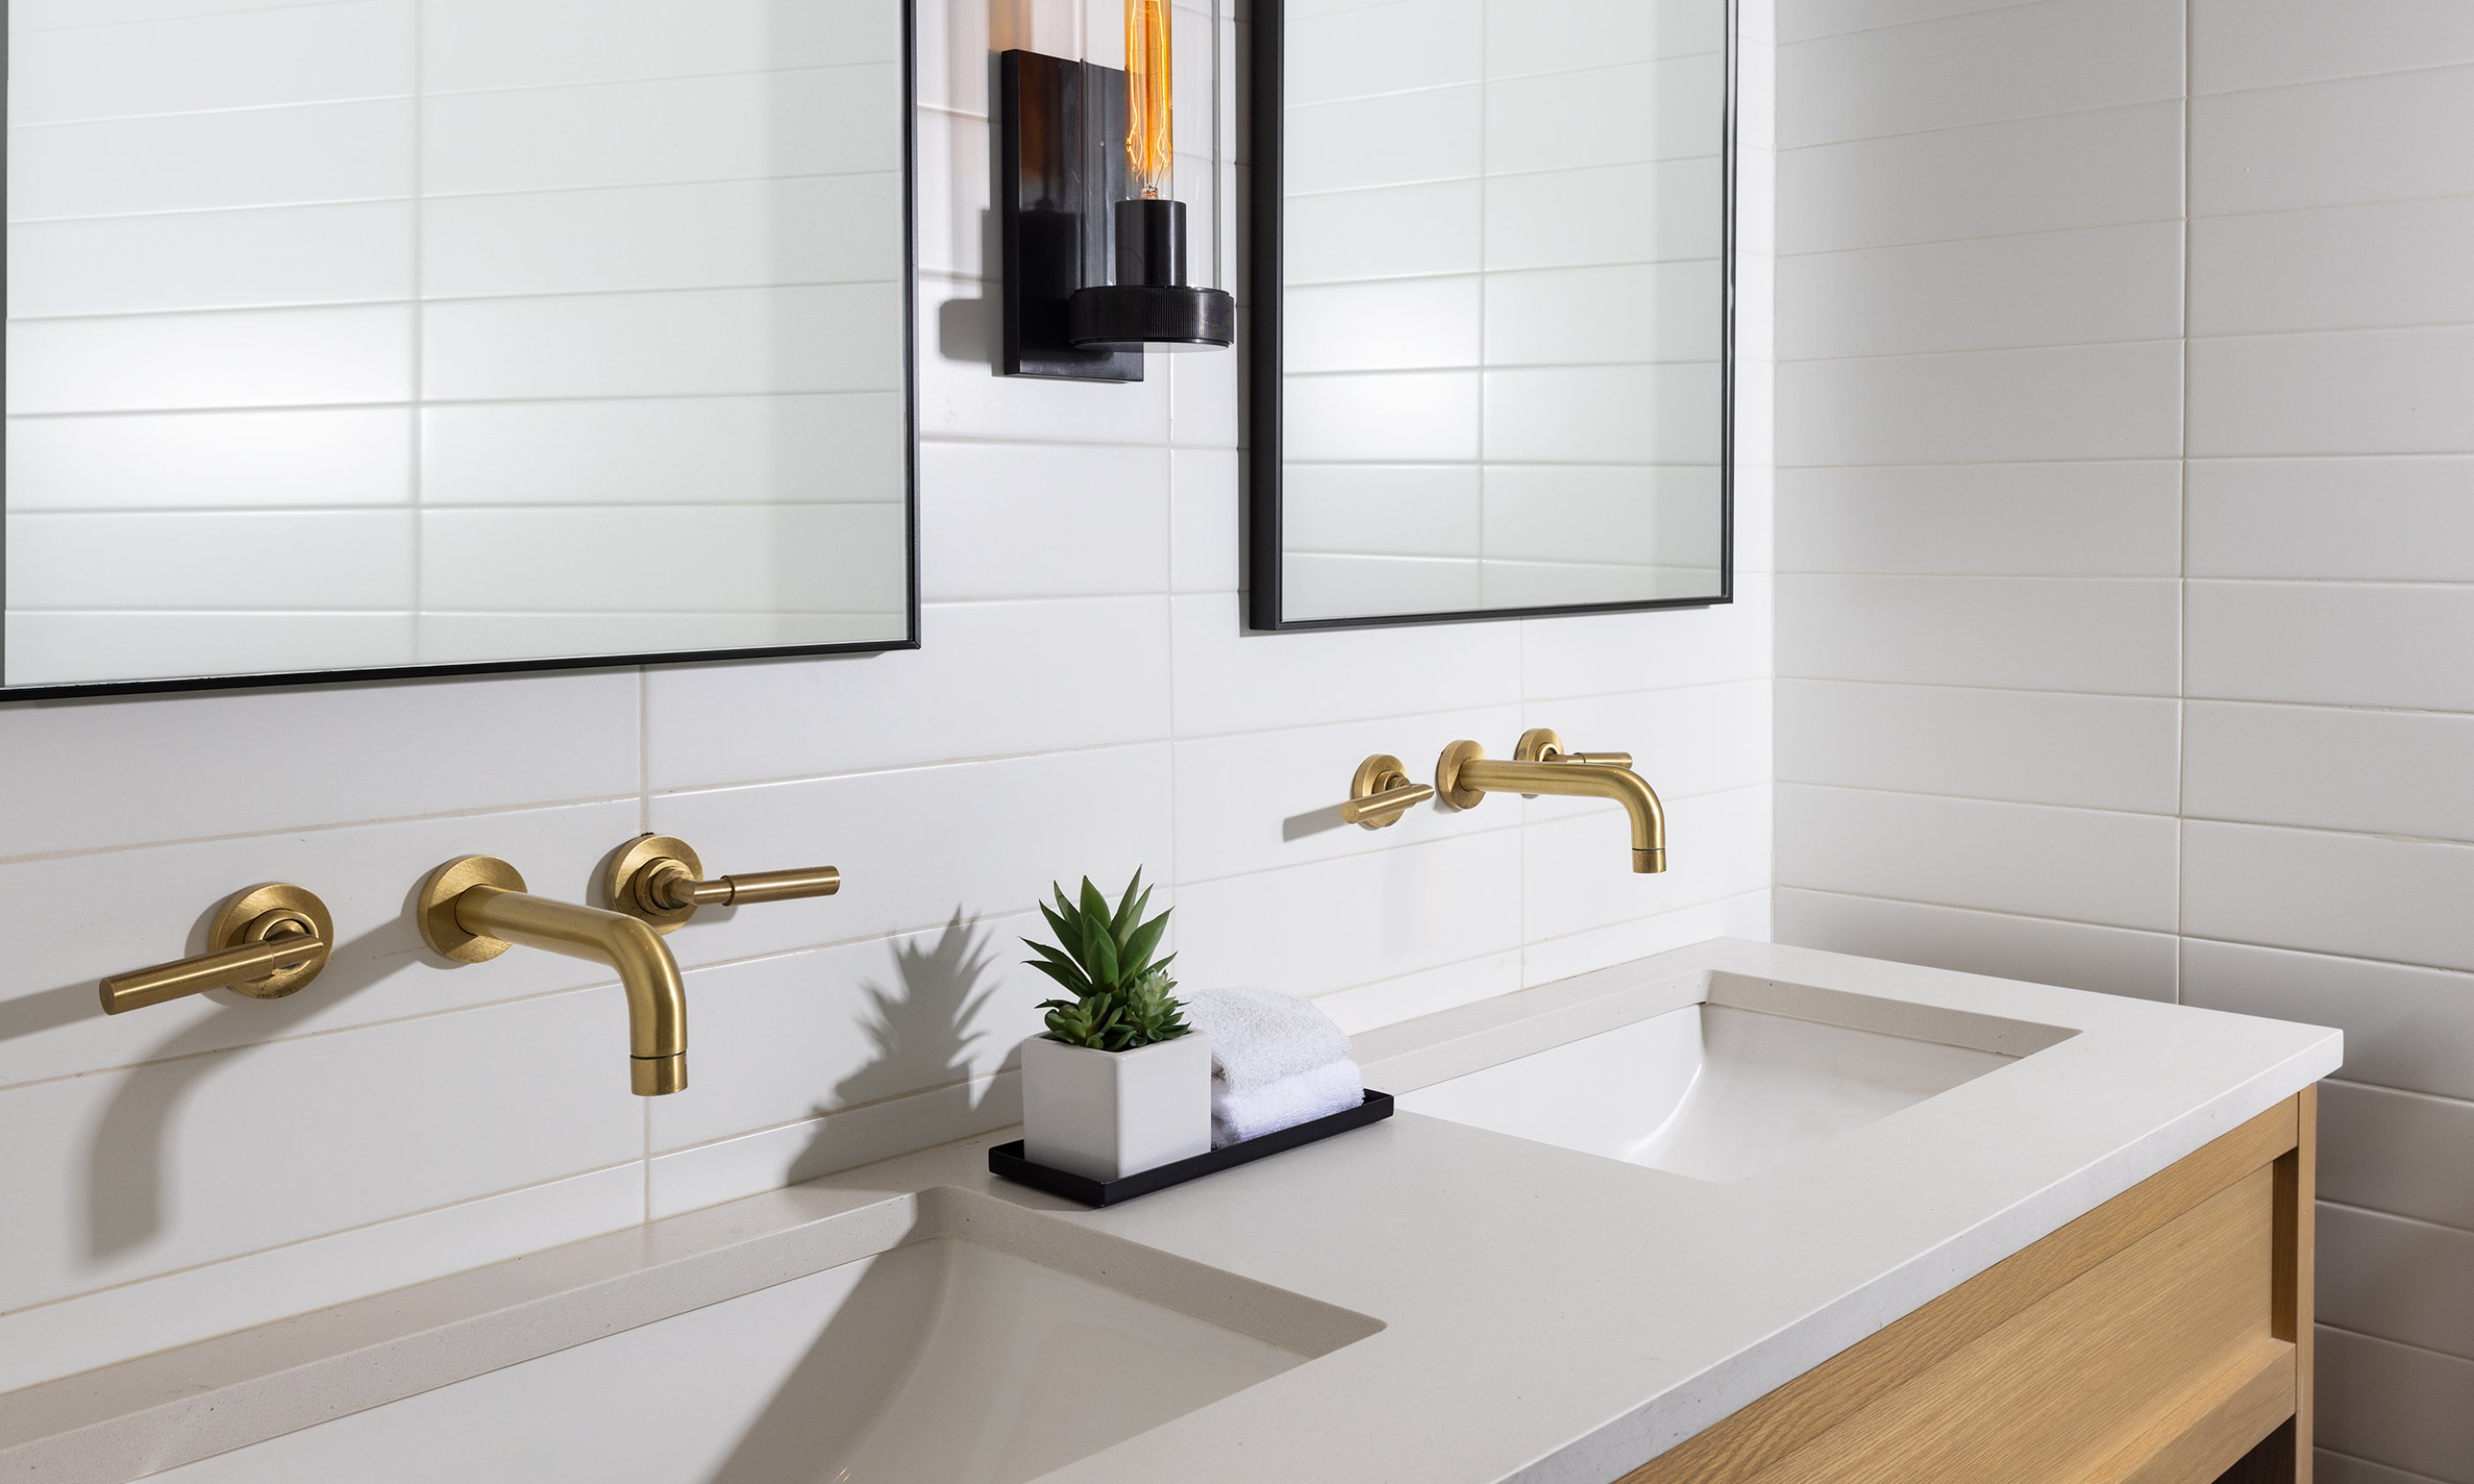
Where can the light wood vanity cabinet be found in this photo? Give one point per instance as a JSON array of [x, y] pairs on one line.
[[2162, 1338]]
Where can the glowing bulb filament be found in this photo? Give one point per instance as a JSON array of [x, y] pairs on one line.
[[1151, 149]]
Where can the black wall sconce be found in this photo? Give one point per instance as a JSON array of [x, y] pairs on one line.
[[1093, 240]]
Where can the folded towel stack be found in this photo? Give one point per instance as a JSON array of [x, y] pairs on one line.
[[1277, 1062]]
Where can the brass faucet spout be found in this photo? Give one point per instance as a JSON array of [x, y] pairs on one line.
[[1465, 775], [656, 1002], [476, 908]]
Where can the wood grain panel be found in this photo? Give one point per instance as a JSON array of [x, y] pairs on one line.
[[1770, 1431], [2075, 1379]]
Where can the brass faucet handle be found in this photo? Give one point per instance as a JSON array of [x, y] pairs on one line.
[[267, 941], [660, 880], [1381, 793], [1541, 744]]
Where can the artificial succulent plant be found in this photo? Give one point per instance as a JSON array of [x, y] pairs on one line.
[[1116, 997]]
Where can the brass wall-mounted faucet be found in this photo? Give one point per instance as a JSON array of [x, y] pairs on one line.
[[476, 907], [1465, 775]]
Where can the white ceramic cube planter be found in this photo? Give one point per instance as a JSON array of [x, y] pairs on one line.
[[1107, 1114]]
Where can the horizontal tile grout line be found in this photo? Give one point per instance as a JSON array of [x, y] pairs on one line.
[[1784, 781], [2434, 327], [1783, 43], [1481, 270], [2196, 579], [429, 95], [1007, 1068], [1988, 912], [302, 1241], [2364, 1334], [1899, 574], [1491, 175], [2462, 64], [2118, 695], [488, 811], [151, 20], [409, 506], [1528, 943], [2014, 690], [2390, 836], [420, 404], [2173, 101], [509, 296], [2348, 205], [1782, 255], [2373, 1210], [2184, 816], [2343, 958], [307, 1033], [1467, 367], [2075, 460], [1296, 106], [2425, 1098], [1785, 361], [337, 202]]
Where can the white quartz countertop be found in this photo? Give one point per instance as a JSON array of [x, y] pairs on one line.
[[1548, 1316]]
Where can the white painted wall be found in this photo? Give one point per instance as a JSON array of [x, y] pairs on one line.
[[2126, 550], [1086, 701]]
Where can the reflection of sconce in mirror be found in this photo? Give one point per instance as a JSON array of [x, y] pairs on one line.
[[1094, 239]]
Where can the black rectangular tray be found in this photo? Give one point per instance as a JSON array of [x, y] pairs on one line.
[[1006, 1160]]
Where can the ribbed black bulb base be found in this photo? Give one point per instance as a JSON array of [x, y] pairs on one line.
[[1151, 302]]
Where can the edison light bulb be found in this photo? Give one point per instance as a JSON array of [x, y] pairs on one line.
[[1151, 144]]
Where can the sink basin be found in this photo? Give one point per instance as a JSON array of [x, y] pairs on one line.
[[1720, 1090], [941, 1361]]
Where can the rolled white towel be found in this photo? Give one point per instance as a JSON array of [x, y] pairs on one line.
[[1334, 1087], [1259, 1036]]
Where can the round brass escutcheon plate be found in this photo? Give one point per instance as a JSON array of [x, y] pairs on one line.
[[1539, 744], [1447, 776], [276, 909], [434, 907], [1376, 774], [628, 885]]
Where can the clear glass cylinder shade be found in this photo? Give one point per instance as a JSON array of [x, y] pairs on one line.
[[1151, 138]]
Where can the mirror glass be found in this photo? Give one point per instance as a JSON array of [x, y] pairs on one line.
[[1491, 308], [378, 335]]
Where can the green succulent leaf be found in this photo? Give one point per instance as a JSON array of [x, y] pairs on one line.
[[1116, 997], [1129, 911]]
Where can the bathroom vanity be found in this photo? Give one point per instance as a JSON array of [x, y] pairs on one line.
[[1735, 1212]]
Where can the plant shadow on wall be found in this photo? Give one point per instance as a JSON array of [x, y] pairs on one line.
[[923, 1029], [129, 1154]]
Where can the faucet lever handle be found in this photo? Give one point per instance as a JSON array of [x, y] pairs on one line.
[[1541, 744], [661, 881], [1381, 793], [267, 941]]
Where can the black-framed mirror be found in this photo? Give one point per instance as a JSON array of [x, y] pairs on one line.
[[384, 339], [1492, 291]]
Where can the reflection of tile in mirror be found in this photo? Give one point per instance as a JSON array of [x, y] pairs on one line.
[[1503, 246], [618, 283]]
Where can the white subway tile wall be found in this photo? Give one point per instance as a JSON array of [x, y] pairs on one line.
[[2125, 607], [460, 317], [1087, 701]]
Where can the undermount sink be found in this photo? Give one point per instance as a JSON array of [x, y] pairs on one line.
[[941, 1361], [1721, 1090]]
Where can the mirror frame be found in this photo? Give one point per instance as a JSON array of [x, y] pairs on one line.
[[267, 679], [1267, 95]]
